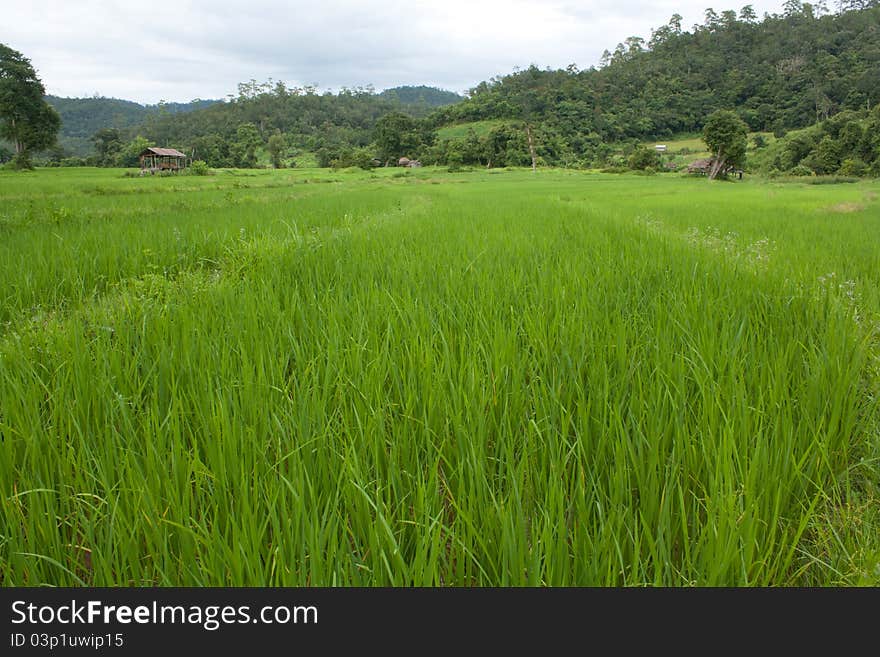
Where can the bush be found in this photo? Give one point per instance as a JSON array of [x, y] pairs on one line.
[[199, 168], [644, 158], [22, 161], [853, 167], [455, 160], [362, 158], [801, 170]]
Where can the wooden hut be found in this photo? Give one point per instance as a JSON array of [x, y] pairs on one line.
[[162, 159], [700, 166], [704, 168]]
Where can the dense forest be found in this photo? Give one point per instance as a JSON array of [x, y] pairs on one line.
[[786, 71], [81, 118], [289, 123], [420, 100], [783, 72]]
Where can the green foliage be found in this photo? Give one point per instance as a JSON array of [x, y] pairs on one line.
[[244, 149], [199, 168], [780, 73], [110, 151], [362, 158], [323, 124], [825, 159], [129, 155], [276, 147], [853, 167], [26, 120], [22, 162], [726, 136], [801, 170], [108, 144], [81, 118], [418, 101], [846, 143], [396, 135], [644, 158]]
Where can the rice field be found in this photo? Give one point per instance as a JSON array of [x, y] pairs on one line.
[[308, 378]]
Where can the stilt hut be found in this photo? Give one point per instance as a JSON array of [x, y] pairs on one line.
[[162, 159]]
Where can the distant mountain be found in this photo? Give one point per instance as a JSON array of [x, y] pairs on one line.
[[83, 117]]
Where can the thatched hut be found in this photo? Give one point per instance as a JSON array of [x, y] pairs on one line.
[[403, 162], [162, 159], [701, 167], [704, 168]]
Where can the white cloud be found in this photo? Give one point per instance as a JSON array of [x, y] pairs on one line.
[[182, 49]]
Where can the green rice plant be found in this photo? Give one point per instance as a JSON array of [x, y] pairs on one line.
[[482, 379]]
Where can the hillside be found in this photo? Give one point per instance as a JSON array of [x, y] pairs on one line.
[[321, 126], [786, 71], [83, 117], [312, 122]]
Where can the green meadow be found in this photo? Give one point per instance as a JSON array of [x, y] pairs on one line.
[[308, 377]]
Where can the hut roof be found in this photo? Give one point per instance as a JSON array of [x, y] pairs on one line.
[[700, 165], [169, 152]]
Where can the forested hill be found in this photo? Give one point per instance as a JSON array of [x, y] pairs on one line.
[[784, 71], [323, 124], [81, 118]]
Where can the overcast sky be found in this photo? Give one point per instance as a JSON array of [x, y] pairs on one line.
[[177, 50]]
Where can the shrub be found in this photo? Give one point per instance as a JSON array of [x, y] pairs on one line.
[[801, 170], [362, 158], [644, 158], [199, 168], [853, 167]]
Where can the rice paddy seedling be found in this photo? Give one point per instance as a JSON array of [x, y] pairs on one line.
[[441, 379]]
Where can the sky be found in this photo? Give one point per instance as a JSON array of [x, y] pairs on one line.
[[152, 50]]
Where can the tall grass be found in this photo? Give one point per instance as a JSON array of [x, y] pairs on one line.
[[495, 380]]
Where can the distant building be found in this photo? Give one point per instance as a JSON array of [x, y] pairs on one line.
[[660, 148], [403, 162], [700, 166], [704, 166], [162, 159]]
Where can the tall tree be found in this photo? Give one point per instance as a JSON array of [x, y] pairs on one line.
[[108, 143], [276, 147], [395, 135], [726, 137], [26, 119]]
